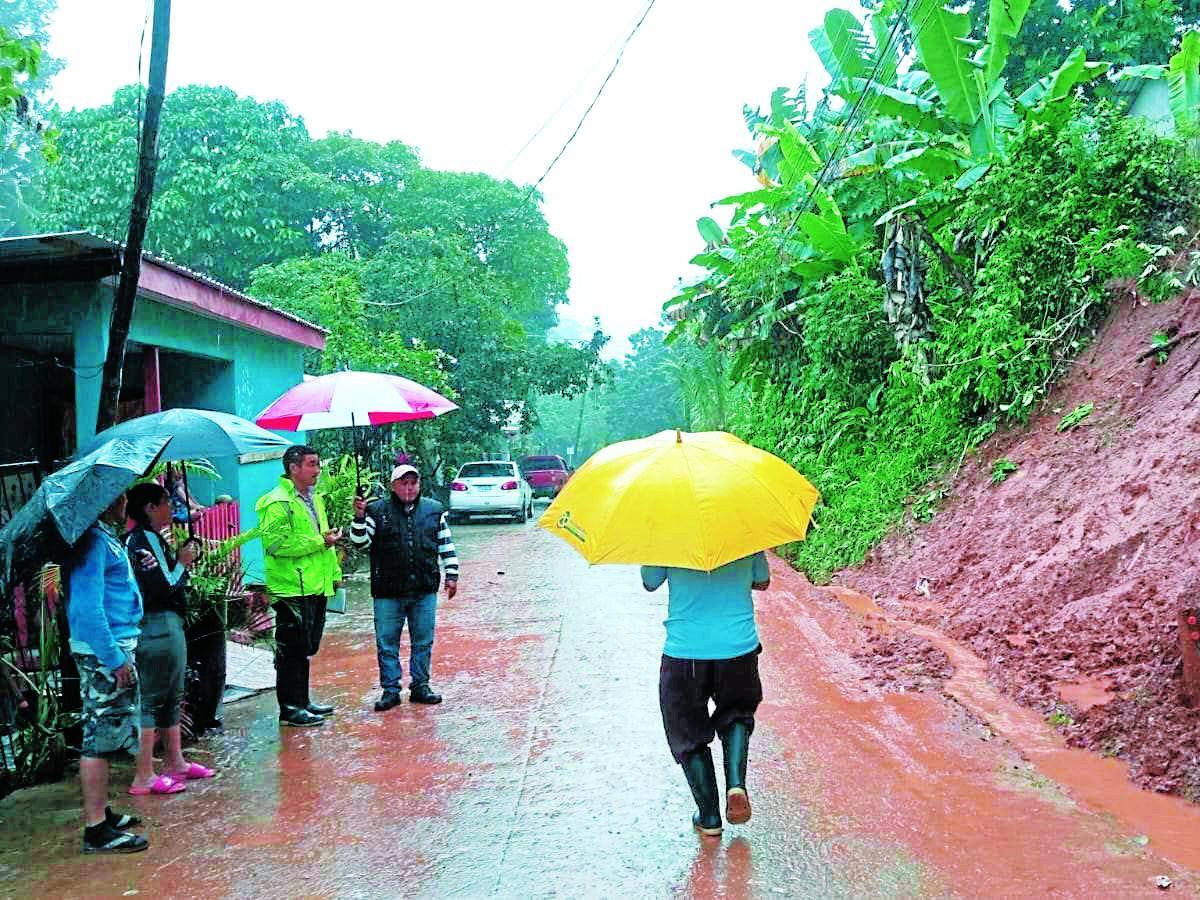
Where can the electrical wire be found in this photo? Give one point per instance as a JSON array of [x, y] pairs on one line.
[[561, 106], [617, 62], [852, 127], [500, 220]]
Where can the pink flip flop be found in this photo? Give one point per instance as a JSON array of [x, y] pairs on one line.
[[163, 784], [194, 772]]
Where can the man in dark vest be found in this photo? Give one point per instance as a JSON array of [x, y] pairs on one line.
[[407, 535]]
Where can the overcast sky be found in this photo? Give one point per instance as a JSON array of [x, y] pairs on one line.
[[468, 82]]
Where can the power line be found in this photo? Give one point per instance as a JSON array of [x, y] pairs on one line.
[[596, 99], [852, 127], [533, 187], [561, 106]]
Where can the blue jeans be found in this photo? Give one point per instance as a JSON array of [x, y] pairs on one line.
[[390, 615]]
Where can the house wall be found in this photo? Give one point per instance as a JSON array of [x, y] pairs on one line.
[[242, 372]]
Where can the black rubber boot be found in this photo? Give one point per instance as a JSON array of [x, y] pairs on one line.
[[736, 743], [701, 777]]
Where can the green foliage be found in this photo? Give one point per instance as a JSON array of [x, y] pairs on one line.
[[427, 306], [1002, 468], [1067, 208], [1160, 343], [1074, 417], [449, 279], [1125, 32], [1060, 718], [641, 395], [232, 190], [37, 743], [339, 484], [215, 579], [26, 141], [1183, 74]]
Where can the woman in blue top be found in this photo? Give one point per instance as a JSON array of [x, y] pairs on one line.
[[711, 653], [104, 608]]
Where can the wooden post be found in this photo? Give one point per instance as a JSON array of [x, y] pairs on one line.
[[139, 214], [150, 377], [1189, 647]]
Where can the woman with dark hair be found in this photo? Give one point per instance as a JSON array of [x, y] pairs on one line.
[[162, 649]]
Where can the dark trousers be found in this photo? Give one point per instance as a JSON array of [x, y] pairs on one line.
[[686, 685], [299, 623], [206, 671]]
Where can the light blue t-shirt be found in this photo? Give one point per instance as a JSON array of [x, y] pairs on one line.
[[710, 615]]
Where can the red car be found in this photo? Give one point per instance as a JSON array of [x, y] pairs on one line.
[[545, 474]]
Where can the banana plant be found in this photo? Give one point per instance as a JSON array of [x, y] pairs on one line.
[[953, 100], [1182, 73]]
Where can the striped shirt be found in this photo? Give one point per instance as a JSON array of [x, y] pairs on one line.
[[363, 533]]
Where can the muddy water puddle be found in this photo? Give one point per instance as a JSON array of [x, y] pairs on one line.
[[1169, 827], [545, 772]]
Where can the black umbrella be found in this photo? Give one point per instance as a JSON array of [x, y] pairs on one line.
[[69, 501]]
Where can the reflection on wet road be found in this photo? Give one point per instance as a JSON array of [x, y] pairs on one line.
[[545, 773]]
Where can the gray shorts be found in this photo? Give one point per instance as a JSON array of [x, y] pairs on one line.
[[110, 712], [161, 663]]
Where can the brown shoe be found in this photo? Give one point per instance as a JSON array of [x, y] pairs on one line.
[[737, 806]]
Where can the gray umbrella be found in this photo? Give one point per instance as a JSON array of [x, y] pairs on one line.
[[197, 433], [69, 501]]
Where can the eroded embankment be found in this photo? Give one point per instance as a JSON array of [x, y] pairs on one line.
[[1067, 577]]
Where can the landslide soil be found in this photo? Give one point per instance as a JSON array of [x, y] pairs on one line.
[[1067, 578]]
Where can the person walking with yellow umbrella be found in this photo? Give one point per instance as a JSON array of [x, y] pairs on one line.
[[696, 511], [711, 653]]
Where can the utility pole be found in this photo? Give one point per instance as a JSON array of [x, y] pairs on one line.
[[139, 214], [579, 424]]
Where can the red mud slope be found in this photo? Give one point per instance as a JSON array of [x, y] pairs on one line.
[[1068, 577]]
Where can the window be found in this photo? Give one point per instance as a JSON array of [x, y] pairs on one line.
[[542, 464], [488, 470]]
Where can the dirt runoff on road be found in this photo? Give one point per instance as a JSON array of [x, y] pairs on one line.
[[1067, 577]]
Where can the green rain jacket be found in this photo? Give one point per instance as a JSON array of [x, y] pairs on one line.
[[298, 563]]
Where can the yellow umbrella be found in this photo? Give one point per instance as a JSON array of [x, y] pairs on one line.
[[696, 501]]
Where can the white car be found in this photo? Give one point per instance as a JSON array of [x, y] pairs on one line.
[[493, 488]]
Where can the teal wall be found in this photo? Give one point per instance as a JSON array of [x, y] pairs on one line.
[[239, 371]]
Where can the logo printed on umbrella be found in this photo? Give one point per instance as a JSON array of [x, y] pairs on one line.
[[564, 522]]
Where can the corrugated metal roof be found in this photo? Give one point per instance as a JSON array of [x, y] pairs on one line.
[[36, 248]]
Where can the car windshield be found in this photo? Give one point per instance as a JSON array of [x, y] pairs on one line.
[[541, 463], [486, 470]]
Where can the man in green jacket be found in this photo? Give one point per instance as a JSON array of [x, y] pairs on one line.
[[301, 570]]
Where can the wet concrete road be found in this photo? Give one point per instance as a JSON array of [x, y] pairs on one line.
[[545, 773]]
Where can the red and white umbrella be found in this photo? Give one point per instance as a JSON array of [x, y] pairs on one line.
[[347, 399]]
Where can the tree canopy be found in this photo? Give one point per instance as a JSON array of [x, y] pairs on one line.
[[452, 279], [25, 72]]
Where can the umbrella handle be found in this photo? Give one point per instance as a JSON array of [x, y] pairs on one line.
[[358, 488], [187, 499]]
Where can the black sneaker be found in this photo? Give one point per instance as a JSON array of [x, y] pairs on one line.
[[103, 838], [387, 701], [299, 718], [422, 693]]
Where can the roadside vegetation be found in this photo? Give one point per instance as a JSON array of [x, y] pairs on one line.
[[930, 243]]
